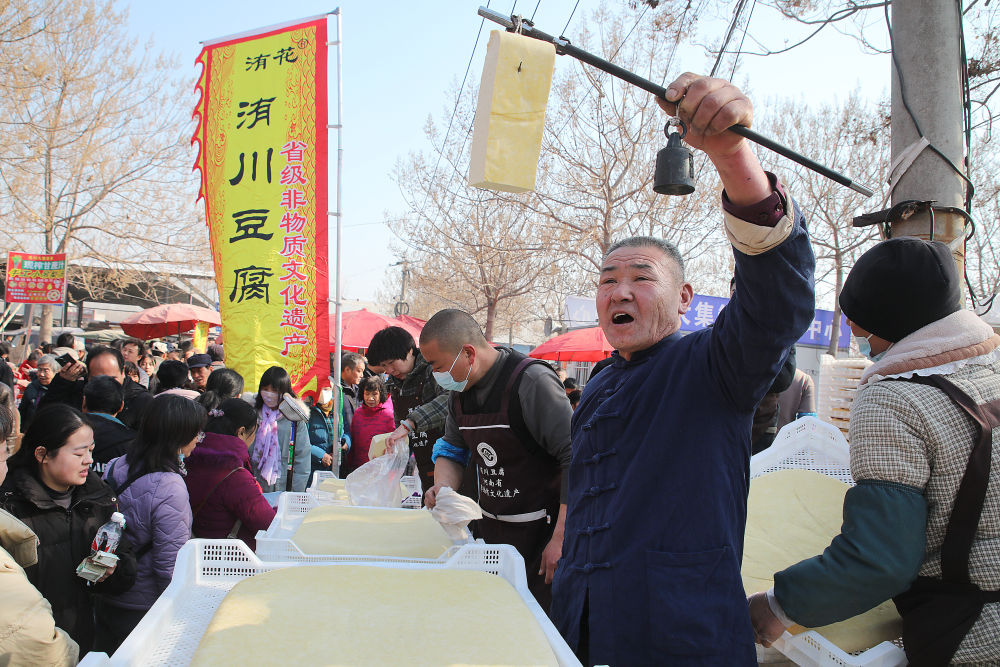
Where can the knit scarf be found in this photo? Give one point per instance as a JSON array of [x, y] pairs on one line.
[[266, 452]]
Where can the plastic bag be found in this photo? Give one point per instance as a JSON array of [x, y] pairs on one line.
[[454, 512], [376, 483]]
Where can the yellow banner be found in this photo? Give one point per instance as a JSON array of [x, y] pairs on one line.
[[199, 340], [263, 158]]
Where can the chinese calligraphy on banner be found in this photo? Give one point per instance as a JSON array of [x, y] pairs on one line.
[[263, 157], [704, 310], [35, 278]]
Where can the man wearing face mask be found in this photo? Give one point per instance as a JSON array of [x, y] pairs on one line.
[[508, 421], [921, 524]]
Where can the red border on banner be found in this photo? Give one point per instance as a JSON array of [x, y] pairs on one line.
[[321, 367]]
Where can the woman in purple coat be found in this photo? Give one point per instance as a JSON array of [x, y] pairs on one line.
[[225, 497], [152, 495]]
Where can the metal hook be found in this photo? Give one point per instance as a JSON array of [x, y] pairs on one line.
[[675, 122]]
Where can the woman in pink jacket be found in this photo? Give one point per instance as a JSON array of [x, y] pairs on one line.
[[226, 499], [373, 417]]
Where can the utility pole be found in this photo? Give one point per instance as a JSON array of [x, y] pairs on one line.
[[928, 55], [402, 307]]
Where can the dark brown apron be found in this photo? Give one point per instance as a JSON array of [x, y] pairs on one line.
[[938, 613], [518, 485], [421, 442]]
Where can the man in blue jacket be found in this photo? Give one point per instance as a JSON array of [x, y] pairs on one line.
[[650, 569]]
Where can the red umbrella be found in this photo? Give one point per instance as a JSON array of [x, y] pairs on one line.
[[167, 320], [579, 345], [414, 321], [361, 325]]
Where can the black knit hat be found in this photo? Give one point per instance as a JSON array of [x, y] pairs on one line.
[[901, 285]]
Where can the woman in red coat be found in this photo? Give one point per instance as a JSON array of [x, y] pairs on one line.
[[226, 499], [373, 417]]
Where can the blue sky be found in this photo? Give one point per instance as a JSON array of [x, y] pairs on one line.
[[400, 58]]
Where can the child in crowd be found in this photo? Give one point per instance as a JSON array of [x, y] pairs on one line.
[[152, 495], [225, 498], [372, 418]]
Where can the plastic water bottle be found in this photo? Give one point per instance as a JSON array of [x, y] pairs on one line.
[[109, 535]]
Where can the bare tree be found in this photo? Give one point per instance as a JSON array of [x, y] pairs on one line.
[[982, 251], [94, 157], [599, 154], [469, 248], [849, 138]]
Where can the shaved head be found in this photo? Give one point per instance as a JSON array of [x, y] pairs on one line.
[[450, 329]]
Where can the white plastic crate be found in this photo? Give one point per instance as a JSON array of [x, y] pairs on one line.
[[206, 570], [413, 500], [811, 648], [324, 497], [276, 543], [808, 443], [837, 384], [812, 444]]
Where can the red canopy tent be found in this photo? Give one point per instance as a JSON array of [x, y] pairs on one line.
[[579, 345], [168, 320], [361, 325]]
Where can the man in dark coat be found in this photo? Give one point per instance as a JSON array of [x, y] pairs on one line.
[[67, 386], [650, 568], [103, 400]]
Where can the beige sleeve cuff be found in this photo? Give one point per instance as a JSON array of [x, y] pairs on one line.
[[776, 609], [751, 239]]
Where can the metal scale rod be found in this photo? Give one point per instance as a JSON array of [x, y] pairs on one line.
[[563, 47]]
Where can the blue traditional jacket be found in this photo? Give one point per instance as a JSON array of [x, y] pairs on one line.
[[660, 473]]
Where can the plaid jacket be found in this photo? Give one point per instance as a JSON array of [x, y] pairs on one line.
[[913, 434]]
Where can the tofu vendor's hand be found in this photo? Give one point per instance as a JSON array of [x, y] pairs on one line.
[[394, 437], [709, 107], [430, 498], [766, 626], [550, 558]]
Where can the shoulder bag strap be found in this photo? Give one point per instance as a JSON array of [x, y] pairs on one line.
[[964, 520], [212, 490], [119, 490]]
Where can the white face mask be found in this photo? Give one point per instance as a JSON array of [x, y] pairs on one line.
[[449, 383], [270, 398], [325, 396]]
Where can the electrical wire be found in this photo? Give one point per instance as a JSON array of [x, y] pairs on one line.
[[532, 19], [566, 27], [729, 35], [739, 51], [970, 191], [977, 304], [454, 110], [611, 59], [966, 99]]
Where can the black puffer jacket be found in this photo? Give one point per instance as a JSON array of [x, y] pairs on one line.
[[64, 539], [111, 440], [33, 395]]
